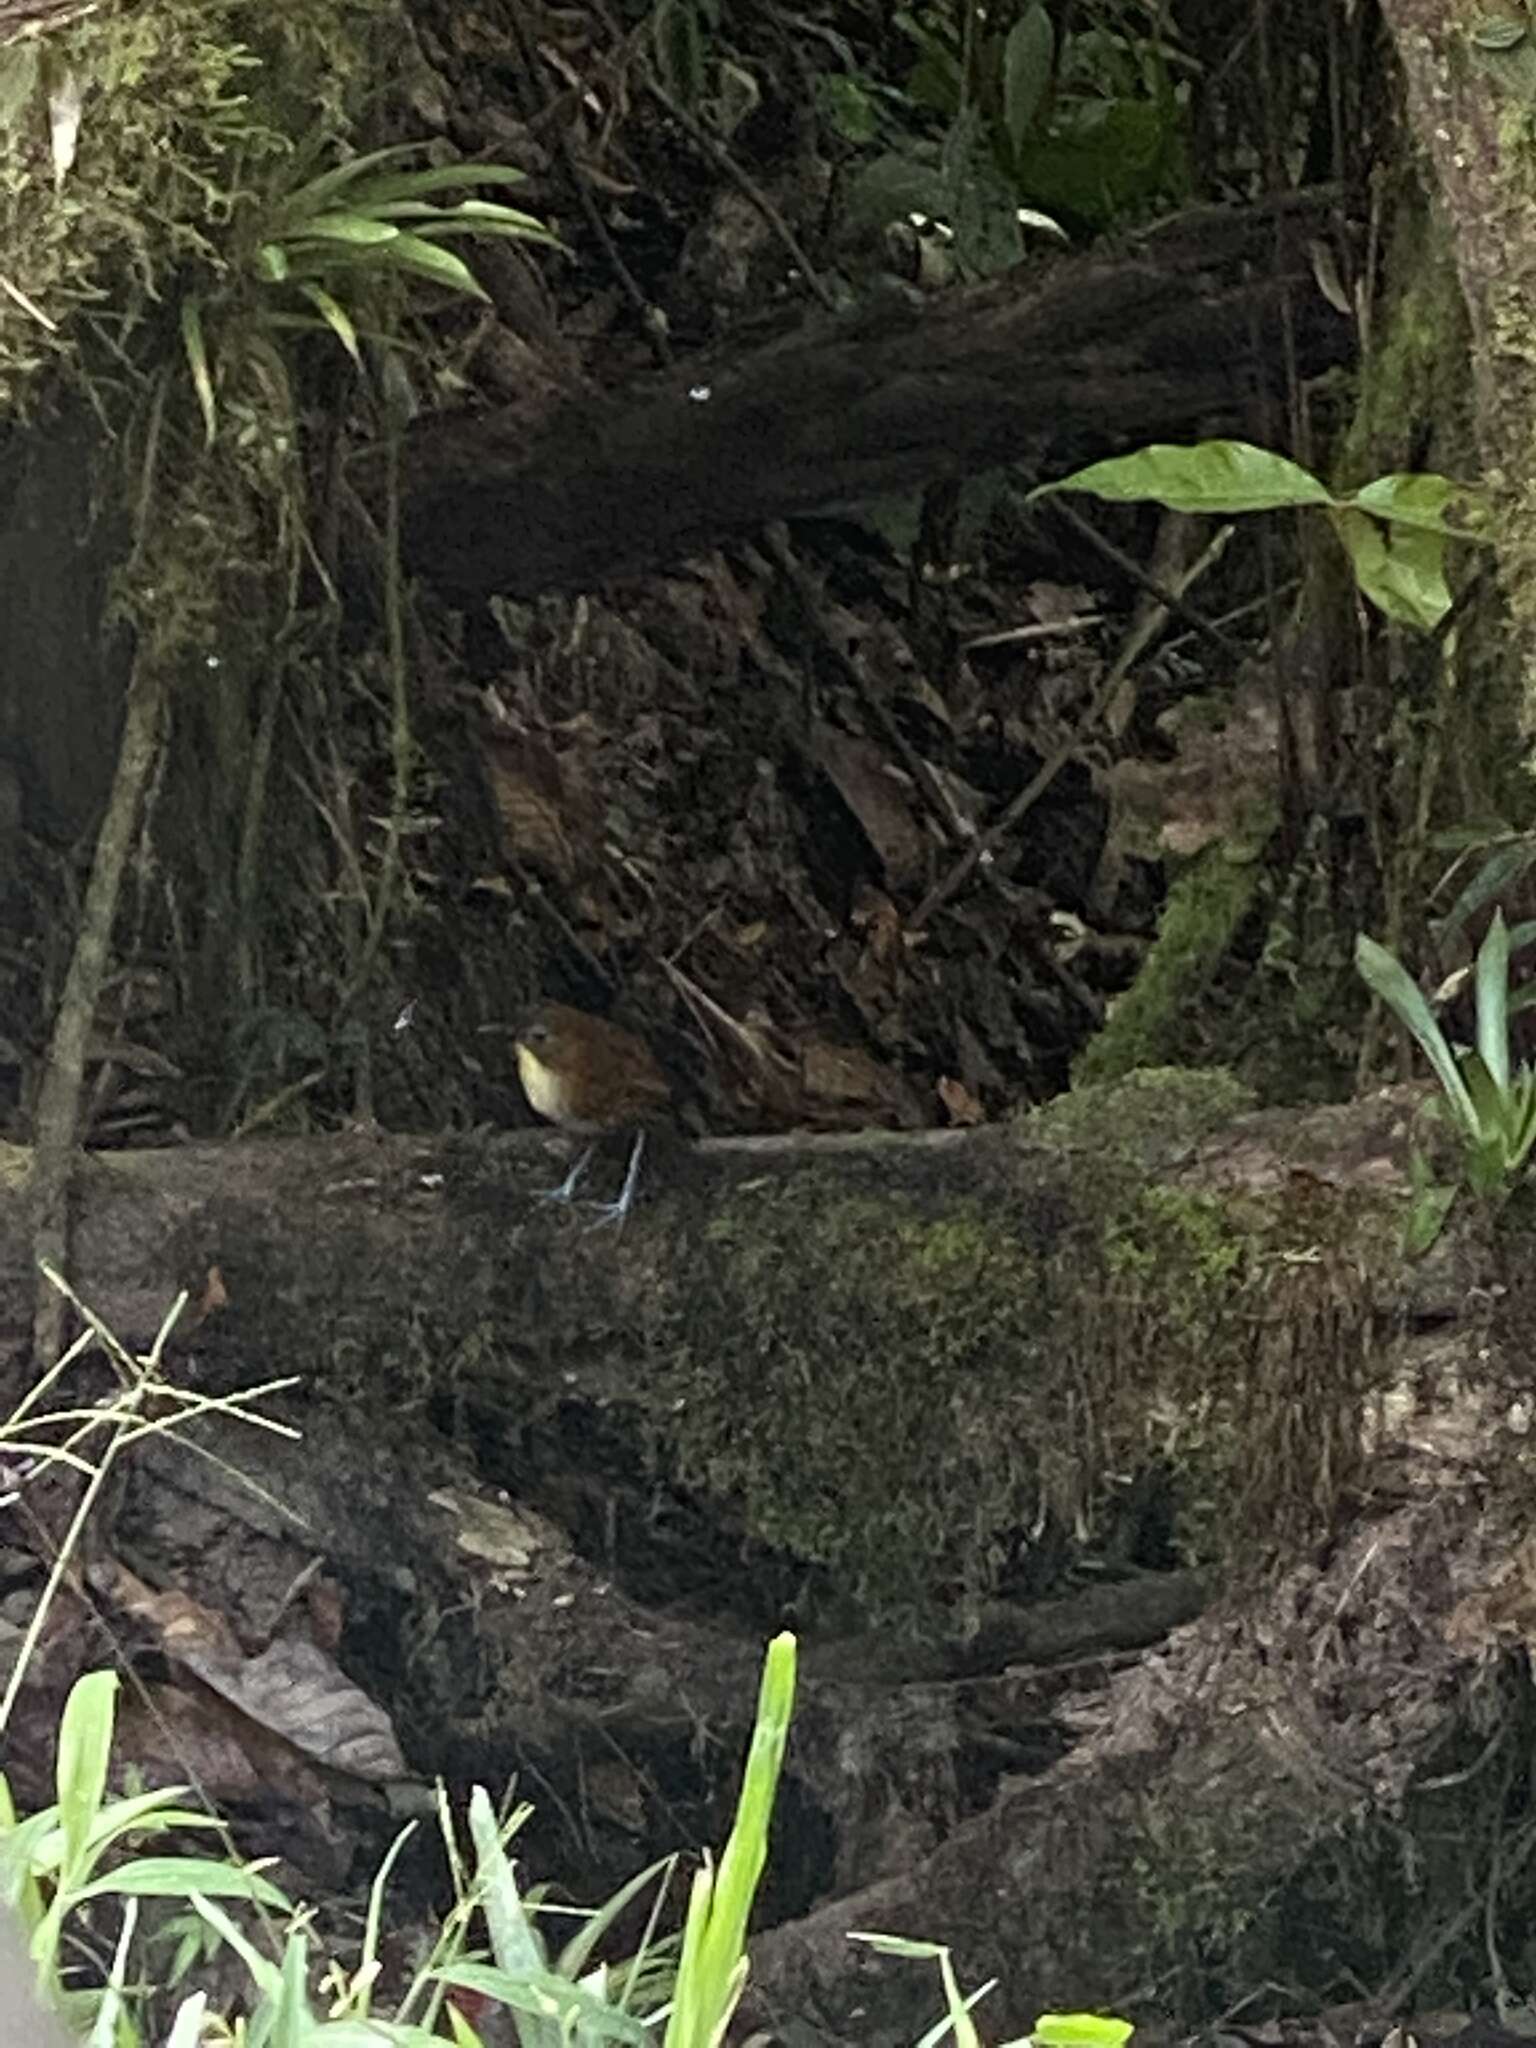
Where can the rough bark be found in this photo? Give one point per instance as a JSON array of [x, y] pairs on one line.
[[1467, 102]]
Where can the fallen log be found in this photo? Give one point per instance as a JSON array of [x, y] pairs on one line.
[[1192, 328], [563, 1484]]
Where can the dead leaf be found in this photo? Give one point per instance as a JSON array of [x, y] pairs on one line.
[[533, 803], [877, 797], [958, 1100]]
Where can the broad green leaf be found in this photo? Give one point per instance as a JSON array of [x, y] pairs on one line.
[[122, 1815], [1401, 569], [677, 36], [85, 1753], [1492, 997], [1215, 477], [1387, 978], [1029, 56], [979, 203], [1414, 498], [889, 188]]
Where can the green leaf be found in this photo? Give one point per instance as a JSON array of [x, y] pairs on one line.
[[577, 1953], [1413, 498], [1387, 978], [85, 1753], [440, 265], [319, 192], [1101, 158], [848, 110], [185, 1877], [1504, 867], [899, 1945], [292, 2020], [678, 37], [1029, 56], [335, 317], [195, 347], [21, 1859], [360, 228], [1080, 2030], [436, 178], [264, 1972], [1428, 1209], [1492, 997], [1401, 569], [555, 2002], [712, 1968], [1214, 477], [515, 1941], [978, 202], [123, 1816]]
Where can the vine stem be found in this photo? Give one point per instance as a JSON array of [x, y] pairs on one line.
[[56, 1122]]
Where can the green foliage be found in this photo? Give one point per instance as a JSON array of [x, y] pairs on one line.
[[996, 127], [55, 1862], [1395, 529], [321, 253], [1490, 1106], [186, 108], [1051, 2030], [1150, 1023]]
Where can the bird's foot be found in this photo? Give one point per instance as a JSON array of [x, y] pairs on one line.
[[567, 1188], [609, 1215], [612, 1214]]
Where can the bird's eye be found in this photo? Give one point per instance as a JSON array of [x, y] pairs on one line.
[[537, 1033]]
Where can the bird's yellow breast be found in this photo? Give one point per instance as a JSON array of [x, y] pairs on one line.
[[543, 1087]]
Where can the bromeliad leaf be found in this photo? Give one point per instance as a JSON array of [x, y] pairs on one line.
[[1386, 977]]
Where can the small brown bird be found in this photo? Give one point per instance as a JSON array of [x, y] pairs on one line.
[[588, 1075]]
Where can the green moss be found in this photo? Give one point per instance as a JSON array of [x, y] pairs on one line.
[[186, 108], [959, 1370], [1149, 1025]]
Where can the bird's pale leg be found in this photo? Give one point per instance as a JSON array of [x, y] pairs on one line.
[[572, 1181], [615, 1212]]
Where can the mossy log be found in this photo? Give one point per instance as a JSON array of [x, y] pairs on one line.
[[896, 1391]]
